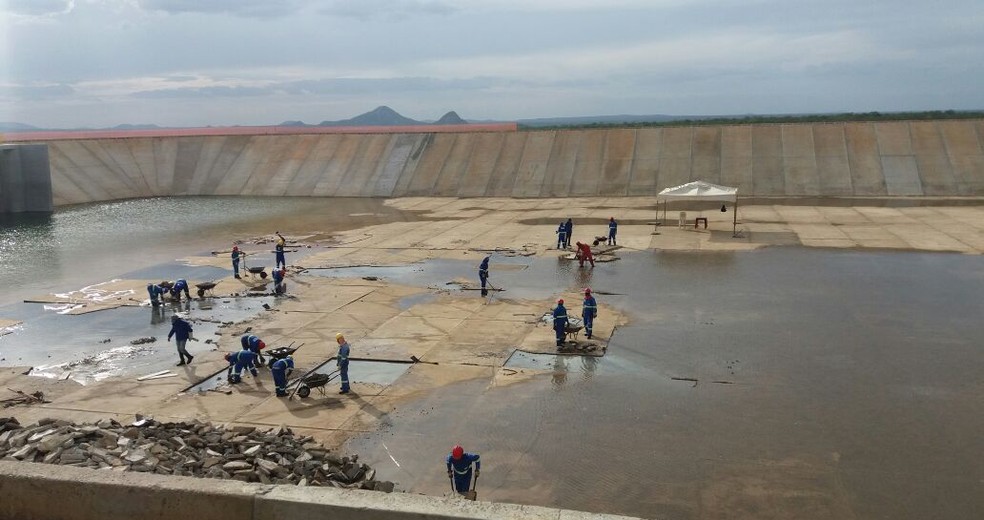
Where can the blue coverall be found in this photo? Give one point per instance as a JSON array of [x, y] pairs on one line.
[[278, 280], [569, 229], [280, 369], [244, 359], [589, 313], [560, 323], [561, 236], [181, 330], [180, 285], [252, 343], [342, 361], [483, 272], [156, 293], [612, 230], [462, 470], [281, 259], [235, 262]]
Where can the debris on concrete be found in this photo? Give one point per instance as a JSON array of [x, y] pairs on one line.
[[23, 398], [141, 341], [190, 448]]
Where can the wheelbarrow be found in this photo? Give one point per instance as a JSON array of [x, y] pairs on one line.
[[574, 327], [317, 381], [282, 352], [206, 288], [255, 270]]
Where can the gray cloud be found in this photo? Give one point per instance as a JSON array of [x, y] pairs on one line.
[[387, 9], [33, 93], [38, 7], [203, 92], [246, 8]]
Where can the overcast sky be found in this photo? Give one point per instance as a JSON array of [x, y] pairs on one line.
[[70, 63]]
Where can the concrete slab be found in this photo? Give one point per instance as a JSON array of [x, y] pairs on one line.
[[966, 157], [867, 178], [767, 176], [533, 165], [619, 153], [931, 159], [560, 168], [707, 154], [645, 162], [799, 161], [833, 167], [481, 165], [901, 176]]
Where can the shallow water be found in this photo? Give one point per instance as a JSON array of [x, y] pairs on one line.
[[844, 383], [83, 245], [828, 384]]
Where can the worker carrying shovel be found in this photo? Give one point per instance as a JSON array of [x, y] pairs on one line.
[[460, 471]]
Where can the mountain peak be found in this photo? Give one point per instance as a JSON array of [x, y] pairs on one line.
[[451, 118]]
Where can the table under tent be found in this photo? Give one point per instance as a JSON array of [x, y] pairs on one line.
[[702, 191]]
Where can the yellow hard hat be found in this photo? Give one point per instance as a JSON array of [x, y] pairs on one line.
[[339, 336]]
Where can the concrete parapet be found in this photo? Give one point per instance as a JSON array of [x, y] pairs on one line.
[[43, 491], [852, 159]]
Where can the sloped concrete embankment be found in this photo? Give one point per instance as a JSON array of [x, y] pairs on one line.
[[42, 491], [859, 159]]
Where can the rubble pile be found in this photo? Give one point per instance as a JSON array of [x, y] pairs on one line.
[[190, 448]]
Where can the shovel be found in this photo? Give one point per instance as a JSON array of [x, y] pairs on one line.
[[491, 294], [473, 493]]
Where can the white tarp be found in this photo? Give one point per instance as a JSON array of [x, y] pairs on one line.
[[699, 190]]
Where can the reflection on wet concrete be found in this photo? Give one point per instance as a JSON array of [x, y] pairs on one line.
[[855, 392]]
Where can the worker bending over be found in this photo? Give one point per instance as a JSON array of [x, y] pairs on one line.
[[175, 288], [281, 370], [560, 322], [279, 286], [156, 293], [238, 361], [460, 468], [255, 345], [584, 253], [589, 312]]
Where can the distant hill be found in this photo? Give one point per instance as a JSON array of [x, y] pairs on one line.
[[451, 118], [16, 127], [144, 126], [384, 116]]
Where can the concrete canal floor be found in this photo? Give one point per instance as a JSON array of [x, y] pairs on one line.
[[737, 380]]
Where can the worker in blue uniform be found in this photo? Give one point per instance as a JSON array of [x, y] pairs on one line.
[[560, 322], [561, 236], [460, 468], [569, 230], [279, 250], [156, 293], [239, 361], [181, 330], [180, 285], [483, 274], [589, 312], [342, 361], [235, 261], [255, 345], [279, 286], [281, 370], [612, 230]]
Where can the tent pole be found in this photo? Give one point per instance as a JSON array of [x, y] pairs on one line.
[[734, 220]]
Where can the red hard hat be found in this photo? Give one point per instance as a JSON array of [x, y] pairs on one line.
[[587, 291], [457, 452], [228, 356], [561, 301], [261, 345]]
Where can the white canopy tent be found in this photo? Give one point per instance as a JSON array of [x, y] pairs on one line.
[[700, 190]]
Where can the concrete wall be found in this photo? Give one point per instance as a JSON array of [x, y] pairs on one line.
[[924, 158], [25, 179], [43, 491]]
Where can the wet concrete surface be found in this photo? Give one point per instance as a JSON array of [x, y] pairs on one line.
[[772, 384]]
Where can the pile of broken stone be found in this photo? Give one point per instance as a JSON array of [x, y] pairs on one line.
[[192, 448]]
